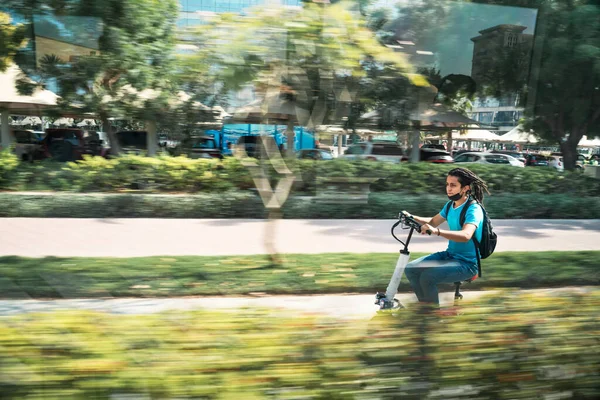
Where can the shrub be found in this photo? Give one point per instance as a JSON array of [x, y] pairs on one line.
[[166, 174], [521, 346], [8, 163], [237, 204]]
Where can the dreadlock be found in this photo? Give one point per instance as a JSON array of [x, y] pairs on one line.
[[466, 177]]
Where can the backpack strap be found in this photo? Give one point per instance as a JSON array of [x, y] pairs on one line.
[[447, 208], [463, 216]]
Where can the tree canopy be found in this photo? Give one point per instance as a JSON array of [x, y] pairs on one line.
[[564, 98], [315, 53], [12, 38]]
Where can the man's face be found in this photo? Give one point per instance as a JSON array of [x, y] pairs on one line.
[[453, 186]]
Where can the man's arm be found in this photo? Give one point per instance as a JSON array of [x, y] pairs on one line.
[[433, 221], [463, 235]]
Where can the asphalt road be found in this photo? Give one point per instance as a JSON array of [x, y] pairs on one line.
[[34, 237]]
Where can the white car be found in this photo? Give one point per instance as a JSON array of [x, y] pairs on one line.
[[556, 162], [488, 158], [381, 151]]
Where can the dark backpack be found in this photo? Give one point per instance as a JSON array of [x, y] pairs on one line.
[[486, 247]]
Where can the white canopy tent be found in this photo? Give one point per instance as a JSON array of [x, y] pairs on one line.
[[87, 122], [63, 122], [468, 135], [29, 121], [11, 102], [519, 135], [585, 142], [475, 135]]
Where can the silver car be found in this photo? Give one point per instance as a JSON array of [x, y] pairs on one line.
[[488, 158]]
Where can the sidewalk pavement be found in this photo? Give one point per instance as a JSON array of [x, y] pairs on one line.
[[346, 306], [39, 237]]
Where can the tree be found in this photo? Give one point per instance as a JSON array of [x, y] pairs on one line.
[[564, 98], [561, 87], [311, 54], [12, 38], [129, 76], [454, 90], [312, 58]]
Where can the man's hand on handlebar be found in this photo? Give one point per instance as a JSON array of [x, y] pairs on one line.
[[427, 229], [419, 220]]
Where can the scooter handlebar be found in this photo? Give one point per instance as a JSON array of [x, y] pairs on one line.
[[409, 221]]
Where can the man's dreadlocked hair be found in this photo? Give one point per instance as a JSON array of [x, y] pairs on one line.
[[466, 177]]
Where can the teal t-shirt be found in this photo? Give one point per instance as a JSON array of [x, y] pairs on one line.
[[465, 250]]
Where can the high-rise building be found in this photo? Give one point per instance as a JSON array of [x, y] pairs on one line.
[[500, 43], [497, 52]]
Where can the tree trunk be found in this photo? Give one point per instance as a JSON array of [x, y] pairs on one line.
[[569, 148], [5, 126], [115, 146], [289, 152], [415, 140], [271, 235], [569, 155], [151, 138]]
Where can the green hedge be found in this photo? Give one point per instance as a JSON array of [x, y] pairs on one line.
[[294, 274], [519, 346], [249, 205], [166, 174]]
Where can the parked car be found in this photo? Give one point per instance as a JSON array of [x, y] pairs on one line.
[[132, 141], [96, 143], [462, 151], [314, 154], [382, 151], [594, 159], [435, 156], [64, 144], [251, 145], [488, 158], [516, 154], [434, 146], [559, 164], [205, 147], [536, 160], [28, 144], [70, 144]]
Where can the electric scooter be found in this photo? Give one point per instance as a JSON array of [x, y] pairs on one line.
[[386, 301]]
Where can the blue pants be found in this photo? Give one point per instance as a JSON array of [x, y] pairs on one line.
[[425, 273]]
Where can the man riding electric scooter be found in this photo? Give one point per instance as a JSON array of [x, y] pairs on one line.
[[459, 261]]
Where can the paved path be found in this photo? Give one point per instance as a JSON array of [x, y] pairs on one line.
[[347, 306], [35, 237]]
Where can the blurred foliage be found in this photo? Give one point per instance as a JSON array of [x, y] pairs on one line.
[[90, 205], [502, 206], [8, 163], [431, 178], [316, 55], [12, 38], [564, 109], [247, 204], [137, 186], [165, 174], [53, 277], [128, 75], [517, 346]]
